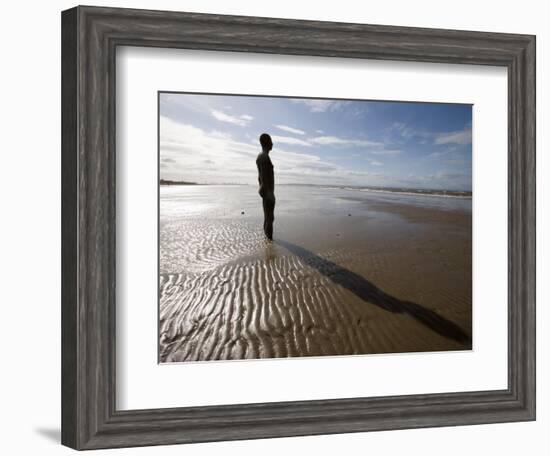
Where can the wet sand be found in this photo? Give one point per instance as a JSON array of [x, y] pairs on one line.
[[348, 273]]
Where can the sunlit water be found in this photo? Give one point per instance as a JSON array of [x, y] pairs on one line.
[[204, 226], [232, 200]]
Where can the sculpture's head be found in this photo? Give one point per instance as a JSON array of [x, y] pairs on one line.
[[265, 141]]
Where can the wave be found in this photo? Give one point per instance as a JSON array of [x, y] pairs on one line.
[[411, 191]]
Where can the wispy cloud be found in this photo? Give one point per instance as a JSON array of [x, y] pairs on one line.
[[290, 140], [322, 105], [385, 152], [458, 162], [407, 132], [288, 129], [439, 153], [190, 153], [455, 137], [335, 141], [452, 155], [461, 137], [241, 121], [448, 175], [214, 139], [338, 141]]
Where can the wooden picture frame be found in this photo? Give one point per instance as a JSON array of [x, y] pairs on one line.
[[90, 36]]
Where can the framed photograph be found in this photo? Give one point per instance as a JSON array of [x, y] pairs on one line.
[[310, 284], [278, 228]]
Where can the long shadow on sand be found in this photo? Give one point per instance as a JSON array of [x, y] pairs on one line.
[[369, 292]]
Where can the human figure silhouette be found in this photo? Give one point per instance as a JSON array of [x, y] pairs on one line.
[[266, 180]]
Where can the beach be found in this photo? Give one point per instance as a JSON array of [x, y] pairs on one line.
[[350, 272]]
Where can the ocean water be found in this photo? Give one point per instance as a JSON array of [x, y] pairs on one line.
[[219, 201], [202, 227]]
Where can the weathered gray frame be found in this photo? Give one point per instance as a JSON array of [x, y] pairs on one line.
[[90, 36]]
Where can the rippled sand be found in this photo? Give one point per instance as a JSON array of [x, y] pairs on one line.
[[342, 277]]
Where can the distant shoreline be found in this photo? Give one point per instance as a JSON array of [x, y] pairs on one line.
[[171, 182], [462, 194]]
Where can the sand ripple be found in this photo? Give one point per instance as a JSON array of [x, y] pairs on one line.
[[197, 246], [284, 305], [342, 285]]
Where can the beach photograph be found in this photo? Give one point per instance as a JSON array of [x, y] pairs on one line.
[[297, 227]]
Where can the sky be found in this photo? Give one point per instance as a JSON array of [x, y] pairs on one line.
[[213, 139]]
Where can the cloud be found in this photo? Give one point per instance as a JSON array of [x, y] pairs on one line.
[[194, 151], [448, 175], [345, 142], [241, 121], [335, 141], [376, 163], [385, 152], [452, 156], [290, 140], [457, 161], [406, 132], [322, 105], [288, 129], [461, 137], [192, 154], [438, 154]]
